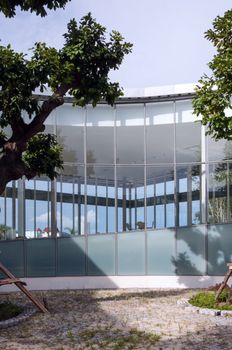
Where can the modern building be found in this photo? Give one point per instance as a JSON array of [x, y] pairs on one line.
[[144, 199]]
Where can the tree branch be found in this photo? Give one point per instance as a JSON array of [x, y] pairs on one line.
[[56, 100]]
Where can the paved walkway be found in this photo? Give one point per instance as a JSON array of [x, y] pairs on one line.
[[115, 320]]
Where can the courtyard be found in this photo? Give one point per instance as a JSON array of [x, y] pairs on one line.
[[116, 319]]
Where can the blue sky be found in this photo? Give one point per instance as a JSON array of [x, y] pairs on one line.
[[168, 35]]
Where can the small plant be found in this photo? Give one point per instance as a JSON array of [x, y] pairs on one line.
[[207, 300], [9, 310], [203, 299], [70, 336]]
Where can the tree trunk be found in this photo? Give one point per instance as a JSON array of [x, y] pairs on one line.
[[11, 168]]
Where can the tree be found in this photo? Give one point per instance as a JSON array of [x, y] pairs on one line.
[[213, 95], [80, 68], [39, 7]]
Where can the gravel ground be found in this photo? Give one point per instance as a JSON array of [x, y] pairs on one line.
[[116, 319]]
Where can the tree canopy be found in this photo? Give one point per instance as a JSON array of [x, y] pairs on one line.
[[80, 68], [40, 7], [214, 93]]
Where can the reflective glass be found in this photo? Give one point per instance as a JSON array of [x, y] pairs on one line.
[[70, 201], [70, 132], [188, 134], [160, 132], [100, 135], [30, 197], [43, 208], [160, 197], [130, 198], [100, 199], [217, 193], [188, 194], [219, 150], [130, 134]]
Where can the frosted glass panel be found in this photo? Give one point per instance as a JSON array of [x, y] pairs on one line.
[[71, 256], [131, 253], [101, 255], [12, 256], [40, 255], [161, 252], [190, 259], [219, 248]]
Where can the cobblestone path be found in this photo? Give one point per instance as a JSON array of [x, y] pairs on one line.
[[115, 320]]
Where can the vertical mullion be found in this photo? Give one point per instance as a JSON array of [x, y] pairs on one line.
[[96, 200], [34, 207], [165, 202], [228, 191], [73, 204], [107, 205], [189, 196]]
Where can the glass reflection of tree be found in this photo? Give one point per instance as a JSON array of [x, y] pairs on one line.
[[220, 205], [68, 154], [90, 161], [218, 201]]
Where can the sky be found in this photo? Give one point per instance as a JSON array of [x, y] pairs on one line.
[[167, 35]]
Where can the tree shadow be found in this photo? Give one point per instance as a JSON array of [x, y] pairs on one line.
[[206, 251]]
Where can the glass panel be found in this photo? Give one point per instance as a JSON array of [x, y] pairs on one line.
[[42, 210], [101, 255], [160, 132], [130, 134], [30, 197], [131, 253], [130, 194], [100, 199], [160, 197], [40, 257], [219, 150], [188, 134], [71, 256], [190, 258], [70, 132], [2, 216], [12, 256], [70, 201], [219, 248], [217, 191], [8, 212], [188, 195], [161, 252], [100, 135]]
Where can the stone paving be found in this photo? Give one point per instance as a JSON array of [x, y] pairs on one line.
[[117, 319]]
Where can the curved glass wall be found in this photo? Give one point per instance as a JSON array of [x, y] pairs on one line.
[[143, 191], [131, 167]]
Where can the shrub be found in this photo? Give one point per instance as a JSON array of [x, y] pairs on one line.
[[207, 300]]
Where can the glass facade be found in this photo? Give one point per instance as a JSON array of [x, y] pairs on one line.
[[143, 174]]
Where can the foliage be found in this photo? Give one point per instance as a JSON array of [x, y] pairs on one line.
[[39, 7], [207, 300], [43, 155], [3, 231], [213, 95], [80, 68], [9, 310]]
